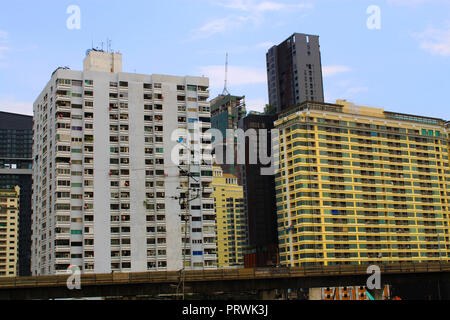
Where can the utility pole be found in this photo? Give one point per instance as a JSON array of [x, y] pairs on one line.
[[186, 201]]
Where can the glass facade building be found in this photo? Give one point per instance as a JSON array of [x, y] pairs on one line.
[[16, 143]]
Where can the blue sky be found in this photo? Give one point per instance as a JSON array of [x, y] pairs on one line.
[[402, 67]]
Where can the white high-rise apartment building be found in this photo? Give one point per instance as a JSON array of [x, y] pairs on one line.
[[106, 189]]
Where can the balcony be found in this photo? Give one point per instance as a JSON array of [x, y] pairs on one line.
[[62, 236], [210, 257], [208, 190], [203, 91], [63, 116], [63, 95], [63, 260], [63, 105], [63, 164], [62, 84], [62, 154], [206, 179]]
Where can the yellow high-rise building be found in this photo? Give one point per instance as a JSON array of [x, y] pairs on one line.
[[231, 220], [360, 185], [9, 231]]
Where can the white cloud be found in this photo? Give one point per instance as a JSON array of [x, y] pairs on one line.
[[266, 45], [344, 89], [238, 49], [237, 76], [6, 47], [3, 36], [436, 41], [2, 50], [219, 26], [251, 11], [355, 90], [269, 6], [277, 6], [10, 104], [415, 3], [329, 71], [261, 6], [256, 104], [406, 2]]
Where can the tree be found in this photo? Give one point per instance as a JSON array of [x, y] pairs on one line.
[[269, 109]]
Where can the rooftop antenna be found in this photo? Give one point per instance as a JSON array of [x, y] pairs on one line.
[[109, 45], [225, 90], [110, 51]]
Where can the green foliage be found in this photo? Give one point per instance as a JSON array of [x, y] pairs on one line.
[[269, 109]]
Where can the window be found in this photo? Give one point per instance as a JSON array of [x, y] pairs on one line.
[[63, 82]]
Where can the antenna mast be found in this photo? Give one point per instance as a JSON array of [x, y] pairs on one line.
[[109, 41], [225, 90]]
